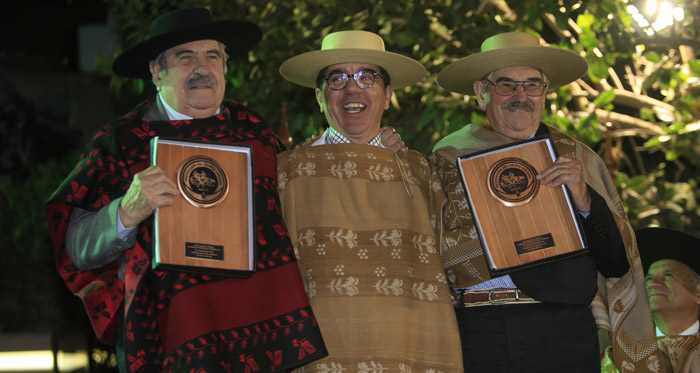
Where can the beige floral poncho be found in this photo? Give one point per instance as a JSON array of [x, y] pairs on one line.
[[361, 229]]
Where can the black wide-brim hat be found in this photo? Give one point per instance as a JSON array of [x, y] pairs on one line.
[[664, 243], [184, 26]]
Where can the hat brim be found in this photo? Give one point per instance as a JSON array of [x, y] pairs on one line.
[[560, 66], [662, 243], [304, 68], [238, 36]]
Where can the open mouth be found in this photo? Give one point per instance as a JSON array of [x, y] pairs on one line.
[[354, 107]]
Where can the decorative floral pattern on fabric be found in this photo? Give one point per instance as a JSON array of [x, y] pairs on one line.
[[369, 257], [170, 314]]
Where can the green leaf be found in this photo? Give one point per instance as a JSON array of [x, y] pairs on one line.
[[584, 21], [652, 57], [624, 17], [647, 114], [604, 98], [598, 69], [609, 6], [694, 66], [588, 40], [654, 141], [671, 155]]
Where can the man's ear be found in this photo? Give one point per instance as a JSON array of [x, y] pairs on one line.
[[155, 74], [388, 91], [481, 95], [319, 98], [697, 293]]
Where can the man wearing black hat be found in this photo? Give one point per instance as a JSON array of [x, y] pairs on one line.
[[101, 219], [671, 260]]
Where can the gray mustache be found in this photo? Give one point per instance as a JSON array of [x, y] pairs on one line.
[[518, 105], [201, 80]]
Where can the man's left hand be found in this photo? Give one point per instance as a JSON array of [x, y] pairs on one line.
[[569, 172], [392, 140]]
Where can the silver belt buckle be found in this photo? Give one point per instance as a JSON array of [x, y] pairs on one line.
[[497, 301]]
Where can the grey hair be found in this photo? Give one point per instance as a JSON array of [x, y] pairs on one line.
[[160, 60]]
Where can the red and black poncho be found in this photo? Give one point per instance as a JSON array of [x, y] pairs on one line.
[[179, 321]]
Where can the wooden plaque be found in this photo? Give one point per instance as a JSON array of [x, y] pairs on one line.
[[210, 227], [520, 222]]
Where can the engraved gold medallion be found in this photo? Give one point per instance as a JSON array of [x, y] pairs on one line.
[[512, 181], [202, 181]]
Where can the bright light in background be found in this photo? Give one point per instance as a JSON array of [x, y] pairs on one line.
[[656, 17], [42, 360], [678, 13], [665, 17], [26, 360], [651, 6]]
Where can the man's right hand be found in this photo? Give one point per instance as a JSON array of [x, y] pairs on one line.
[[149, 190], [392, 140]]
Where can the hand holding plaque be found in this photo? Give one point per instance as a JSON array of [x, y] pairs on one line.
[[520, 222], [150, 189]]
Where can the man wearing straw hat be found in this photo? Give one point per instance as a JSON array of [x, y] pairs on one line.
[[359, 219], [101, 219], [671, 260], [542, 318]]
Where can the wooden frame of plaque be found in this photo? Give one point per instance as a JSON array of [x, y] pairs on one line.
[[519, 222], [210, 226]]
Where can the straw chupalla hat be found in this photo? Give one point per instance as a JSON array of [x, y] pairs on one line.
[[352, 46], [560, 66]]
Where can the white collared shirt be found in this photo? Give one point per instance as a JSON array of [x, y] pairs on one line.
[[690, 331], [331, 136]]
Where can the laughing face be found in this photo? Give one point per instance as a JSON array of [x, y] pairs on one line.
[[354, 112], [193, 83], [518, 115]]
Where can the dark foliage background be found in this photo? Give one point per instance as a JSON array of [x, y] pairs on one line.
[[638, 106]]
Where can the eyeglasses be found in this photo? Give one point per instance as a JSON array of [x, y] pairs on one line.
[[363, 78], [532, 88]]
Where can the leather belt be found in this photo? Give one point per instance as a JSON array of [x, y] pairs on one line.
[[491, 297]]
